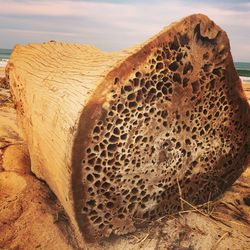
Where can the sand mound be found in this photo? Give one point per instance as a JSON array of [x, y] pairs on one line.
[[11, 184], [20, 163], [30, 216]]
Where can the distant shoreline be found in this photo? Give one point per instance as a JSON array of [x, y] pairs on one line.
[[244, 79]]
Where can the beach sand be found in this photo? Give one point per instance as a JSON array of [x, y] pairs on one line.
[[246, 87], [2, 72]]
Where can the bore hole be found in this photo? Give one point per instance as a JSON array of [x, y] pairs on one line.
[[112, 147], [188, 67], [159, 66], [90, 178], [195, 86], [177, 78], [173, 66], [110, 205], [116, 81]]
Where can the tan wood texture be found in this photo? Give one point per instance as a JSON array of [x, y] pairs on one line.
[[246, 88]]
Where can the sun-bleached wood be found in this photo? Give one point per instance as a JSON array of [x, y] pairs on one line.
[[51, 84], [62, 91]]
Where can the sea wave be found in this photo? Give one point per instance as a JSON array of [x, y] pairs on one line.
[[3, 63], [244, 73], [243, 69], [245, 79]]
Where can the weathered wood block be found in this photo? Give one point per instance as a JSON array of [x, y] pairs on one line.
[[120, 136]]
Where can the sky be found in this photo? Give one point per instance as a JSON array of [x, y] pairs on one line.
[[114, 25]]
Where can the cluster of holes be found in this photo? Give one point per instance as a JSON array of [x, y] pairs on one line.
[[162, 123]]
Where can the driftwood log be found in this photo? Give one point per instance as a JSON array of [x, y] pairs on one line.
[[119, 137]]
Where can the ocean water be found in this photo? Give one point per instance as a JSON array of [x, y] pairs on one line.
[[5, 54], [243, 68]]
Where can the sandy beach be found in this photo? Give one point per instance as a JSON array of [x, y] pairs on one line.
[[246, 88], [2, 69]]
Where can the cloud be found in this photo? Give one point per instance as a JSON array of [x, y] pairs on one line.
[[33, 8], [113, 25], [62, 8], [38, 32]]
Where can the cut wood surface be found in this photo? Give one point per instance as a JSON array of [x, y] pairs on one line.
[[121, 137]]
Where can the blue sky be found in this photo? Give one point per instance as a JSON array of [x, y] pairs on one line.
[[114, 25]]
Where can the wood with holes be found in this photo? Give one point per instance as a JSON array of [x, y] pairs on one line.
[[119, 136]]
